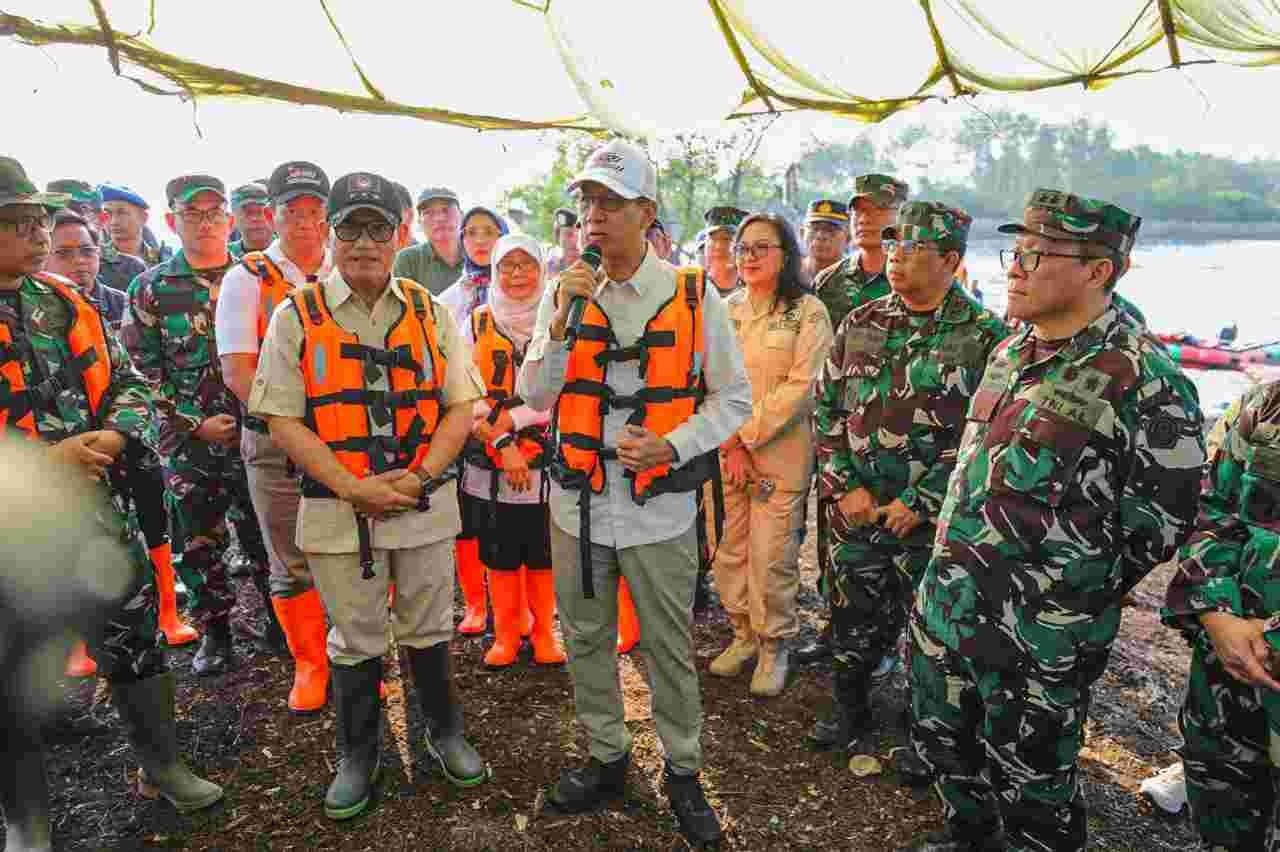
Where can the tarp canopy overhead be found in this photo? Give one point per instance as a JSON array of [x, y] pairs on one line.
[[591, 65]]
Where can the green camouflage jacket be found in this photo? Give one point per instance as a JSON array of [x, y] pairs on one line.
[[169, 331], [843, 286], [1232, 561], [891, 403], [1077, 475], [39, 321]]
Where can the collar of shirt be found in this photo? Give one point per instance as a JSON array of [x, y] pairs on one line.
[[337, 291], [647, 274], [1083, 341], [954, 308], [292, 273]]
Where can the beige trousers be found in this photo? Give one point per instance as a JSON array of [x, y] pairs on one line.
[[422, 614], [757, 567], [661, 577], [275, 495]]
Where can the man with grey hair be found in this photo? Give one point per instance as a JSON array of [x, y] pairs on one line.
[[631, 450]]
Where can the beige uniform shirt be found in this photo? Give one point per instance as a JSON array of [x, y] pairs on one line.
[[784, 350], [327, 525]]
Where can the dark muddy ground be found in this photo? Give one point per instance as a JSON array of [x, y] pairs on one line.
[[772, 791]]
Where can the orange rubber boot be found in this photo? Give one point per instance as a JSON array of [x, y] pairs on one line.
[[305, 629], [176, 631], [504, 588], [79, 663], [471, 579], [526, 604], [628, 621], [547, 649]]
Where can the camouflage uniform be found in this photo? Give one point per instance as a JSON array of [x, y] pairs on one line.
[[169, 332], [1076, 475], [39, 320], [891, 408], [118, 269], [1231, 729]]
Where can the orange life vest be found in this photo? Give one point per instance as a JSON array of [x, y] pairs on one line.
[[371, 431], [90, 362], [273, 288], [499, 360], [670, 351]]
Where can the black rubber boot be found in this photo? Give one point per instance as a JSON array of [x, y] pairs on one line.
[[446, 740], [268, 639], [817, 650], [214, 656], [698, 822], [355, 690], [24, 792], [954, 838], [589, 787], [849, 716]]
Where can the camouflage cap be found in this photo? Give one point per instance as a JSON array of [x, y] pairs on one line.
[[929, 221], [249, 193], [83, 193], [1058, 215], [724, 216], [16, 188], [186, 187], [883, 191], [826, 210]]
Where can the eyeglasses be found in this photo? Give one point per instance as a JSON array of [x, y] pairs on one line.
[[379, 232], [22, 225], [82, 252], [196, 216], [756, 250], [909, 247], [481, 233], [1029, 261], [606, 201], [516, 267]]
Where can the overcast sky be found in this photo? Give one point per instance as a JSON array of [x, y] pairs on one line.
[[664, 61]]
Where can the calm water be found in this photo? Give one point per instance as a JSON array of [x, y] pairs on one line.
[[1198, 288]]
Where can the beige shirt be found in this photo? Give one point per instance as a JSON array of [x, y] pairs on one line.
[[784, 351], [327, 525]]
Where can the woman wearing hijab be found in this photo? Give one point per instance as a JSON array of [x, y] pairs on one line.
[[784, 333], [502, 480], [480, 230]]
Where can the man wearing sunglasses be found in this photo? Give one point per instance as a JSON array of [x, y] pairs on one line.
[[368, 385], [632, 446], [891, 405], [169, 331], [1078, 473]]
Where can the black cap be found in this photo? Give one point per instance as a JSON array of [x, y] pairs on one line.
[[363, 190], [565, 218], [186, 187], [297, 178], [402, 193]]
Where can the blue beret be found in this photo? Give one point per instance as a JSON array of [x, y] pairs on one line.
[[120, 192]]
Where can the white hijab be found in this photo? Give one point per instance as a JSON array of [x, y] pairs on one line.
[[515, 317]]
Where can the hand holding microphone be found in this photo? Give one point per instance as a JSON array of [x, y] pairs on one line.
[[577, 284]]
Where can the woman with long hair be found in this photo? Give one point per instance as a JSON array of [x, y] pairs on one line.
[[785, 333]]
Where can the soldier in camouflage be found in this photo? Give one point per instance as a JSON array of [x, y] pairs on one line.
[[1225, 600], [845, 285], [1075, 477], [891, 404], [169, 331], [65, 381]]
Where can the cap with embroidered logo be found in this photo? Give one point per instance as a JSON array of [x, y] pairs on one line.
[[1059, 215], [929, 221], [621, 167], [363, 191], [884, 191]]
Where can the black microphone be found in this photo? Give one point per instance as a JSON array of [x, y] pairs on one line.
[[591, 257]]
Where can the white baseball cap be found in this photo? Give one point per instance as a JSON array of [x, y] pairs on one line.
[[623, 168]]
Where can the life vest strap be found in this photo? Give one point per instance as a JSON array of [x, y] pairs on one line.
[[389, 399], [596, 333], [64, 378]]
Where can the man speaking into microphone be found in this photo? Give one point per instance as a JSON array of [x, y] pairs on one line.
[[647, 387]]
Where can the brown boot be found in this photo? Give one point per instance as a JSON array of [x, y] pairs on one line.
[[733, 660]]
